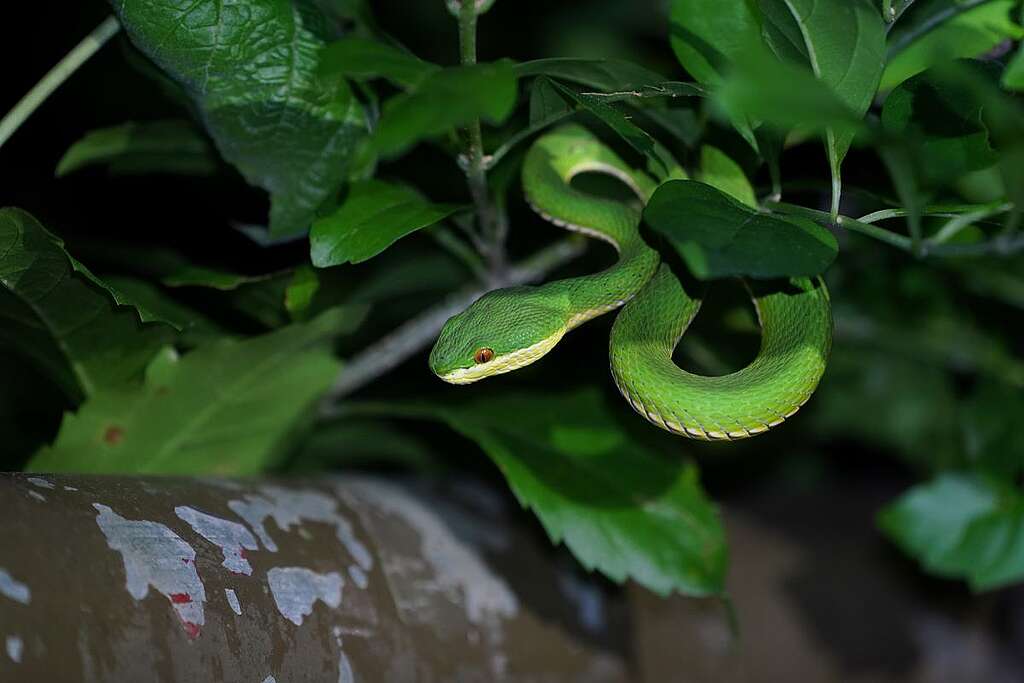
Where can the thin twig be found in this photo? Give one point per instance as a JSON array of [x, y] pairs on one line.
[[78, 56], [495, 227], [414, 336], [851, 224]]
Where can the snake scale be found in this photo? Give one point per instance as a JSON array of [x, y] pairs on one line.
[[509, 328]]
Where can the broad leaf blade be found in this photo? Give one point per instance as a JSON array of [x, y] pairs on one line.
[[373, 216], [170, 146], [225, 408], [365, 59], [717, 236], [444, 100], [962, 526], [65, 319], [621, 508], [843, 42], [952, 34], [253, 76]]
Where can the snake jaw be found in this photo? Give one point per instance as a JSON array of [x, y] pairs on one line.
[[504, 363]]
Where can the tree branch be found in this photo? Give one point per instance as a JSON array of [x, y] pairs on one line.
[[414, 336], [493, 224], [78, 56]]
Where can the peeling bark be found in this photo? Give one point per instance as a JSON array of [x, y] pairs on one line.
[[152, 579]]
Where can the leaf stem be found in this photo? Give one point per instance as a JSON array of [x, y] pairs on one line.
[[1004, 245], [494, 225], [78, 56], [853, 225]]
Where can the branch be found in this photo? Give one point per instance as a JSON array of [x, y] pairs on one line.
[[78, 56], [494, 225], [414, 336]]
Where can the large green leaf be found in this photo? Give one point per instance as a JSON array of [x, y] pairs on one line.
[[443, 101], [709, 35], [940, 30], [82, 333], [843, 42], [1013, 77], [944, 124], [225, 408], [717, 236], [170, 146], [251, 69], [962, 526], [373, 216], [620, 507], [363, 59]]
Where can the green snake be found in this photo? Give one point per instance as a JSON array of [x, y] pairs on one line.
[[509, 328]]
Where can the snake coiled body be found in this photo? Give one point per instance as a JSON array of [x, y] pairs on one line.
[[509, 328]]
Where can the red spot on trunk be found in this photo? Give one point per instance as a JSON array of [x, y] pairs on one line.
[[191, 630], [180, 598], [114, 435]]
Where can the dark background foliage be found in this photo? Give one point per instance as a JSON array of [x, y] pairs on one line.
[[925, 386]]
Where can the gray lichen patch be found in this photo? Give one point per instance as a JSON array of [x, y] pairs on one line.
[[15, 647], [155, 556], [14, 589], [456, 570], [296, 590], [288, 508], [231, 537], [232, 599]]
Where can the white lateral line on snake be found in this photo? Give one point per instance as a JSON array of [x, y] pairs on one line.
[[507, 363]]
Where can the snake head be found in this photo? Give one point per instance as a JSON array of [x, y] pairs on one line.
[[502, 331]]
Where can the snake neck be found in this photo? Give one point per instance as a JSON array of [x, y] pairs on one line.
[[547, 186]]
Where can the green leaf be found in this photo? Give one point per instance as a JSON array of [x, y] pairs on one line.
[[252, 74], [1013, 77], [351, 443], [620, 507], [961, 526], [843, 42], [227, 408], [170, 146], [944, 124], [194, 275], [753, 90], [78, 330], [365, 59], [717, 236], [707, 40], [940, 31], [606, 75], [992, 439], [660, 160], [444, 100], [301, 291], [719, 171], [373, 216]]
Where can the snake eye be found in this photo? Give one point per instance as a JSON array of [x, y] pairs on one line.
[[483, 355]]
